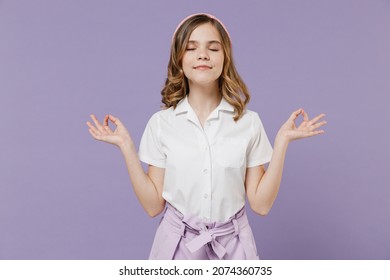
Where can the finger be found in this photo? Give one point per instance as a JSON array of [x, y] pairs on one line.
[[316, 132], [317, 125], [316, 119], [295, 114], [115, 121], [93, 129], [108, 129], [105, 121], [89, 125], [305, 116], [95, 120], [307, 134], [94, 134]]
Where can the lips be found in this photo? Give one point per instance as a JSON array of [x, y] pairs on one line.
[[202, 67]]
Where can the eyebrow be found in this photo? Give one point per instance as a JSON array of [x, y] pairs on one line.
[[209, 42]]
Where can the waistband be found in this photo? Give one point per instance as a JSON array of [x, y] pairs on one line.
[[206, 231]]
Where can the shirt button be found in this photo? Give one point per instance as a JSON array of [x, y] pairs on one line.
[[205, 171], [205, 196]]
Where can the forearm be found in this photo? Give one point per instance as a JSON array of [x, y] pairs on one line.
[[268, 187], [144, 188], [264, 189]]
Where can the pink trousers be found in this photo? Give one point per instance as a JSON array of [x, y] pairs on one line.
[[186, 237]]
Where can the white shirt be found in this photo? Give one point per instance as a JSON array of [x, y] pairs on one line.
[[205, 167]]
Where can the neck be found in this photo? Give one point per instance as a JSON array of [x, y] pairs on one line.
[[204, 99]]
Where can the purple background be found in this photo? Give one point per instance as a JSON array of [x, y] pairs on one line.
[[64, 195]]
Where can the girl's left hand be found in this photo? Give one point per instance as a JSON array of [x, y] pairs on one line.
[[289, 131]]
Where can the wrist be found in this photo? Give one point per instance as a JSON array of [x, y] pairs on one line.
[[126, 145], [281, 140]]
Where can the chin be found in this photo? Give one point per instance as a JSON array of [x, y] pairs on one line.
[[204, 80]]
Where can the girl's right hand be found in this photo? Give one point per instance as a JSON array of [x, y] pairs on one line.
[[102, 132]]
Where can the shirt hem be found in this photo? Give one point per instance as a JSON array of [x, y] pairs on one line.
[[151, 161], [259, 162]]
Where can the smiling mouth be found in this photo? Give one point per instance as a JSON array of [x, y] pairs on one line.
[[203, 67]]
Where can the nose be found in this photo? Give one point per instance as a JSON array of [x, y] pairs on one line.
[[202, 54]]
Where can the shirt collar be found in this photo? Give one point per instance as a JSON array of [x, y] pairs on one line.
[[183, 106], [225, 106]]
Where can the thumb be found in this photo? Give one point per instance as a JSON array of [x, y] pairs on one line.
[[115, 120]]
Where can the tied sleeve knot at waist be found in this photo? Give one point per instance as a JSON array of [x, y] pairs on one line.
[[207, 235]]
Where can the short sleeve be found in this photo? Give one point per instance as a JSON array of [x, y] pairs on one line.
[[150, 150], [260, 150]]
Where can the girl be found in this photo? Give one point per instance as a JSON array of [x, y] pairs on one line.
[[205, 151]]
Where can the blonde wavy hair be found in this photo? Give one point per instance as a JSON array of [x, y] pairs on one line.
[[231, 86]]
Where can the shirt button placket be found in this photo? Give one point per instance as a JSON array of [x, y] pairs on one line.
[[207, 173]]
